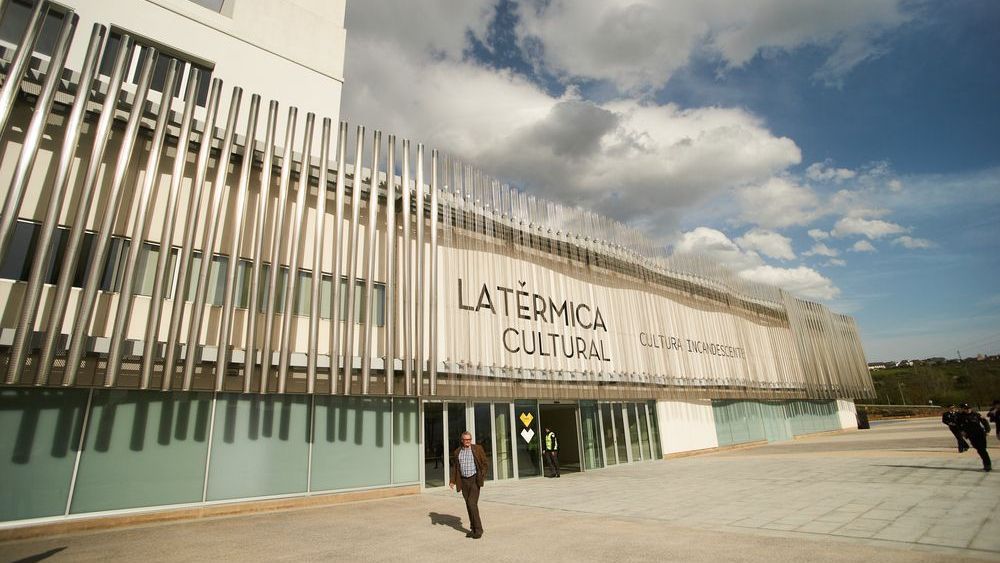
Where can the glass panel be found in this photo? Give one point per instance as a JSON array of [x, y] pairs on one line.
[[640, 410], [143, 449], [260, 446], [38, 445], [633, 432], [303, 293], [654, 430], [405, 441], [529, 453], [620, 432], [505, 457], [484, 433], [352, 443], [590, 432], [456, 425], [609, 434], [434, 445]]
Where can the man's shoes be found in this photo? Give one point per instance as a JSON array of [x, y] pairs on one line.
[[558, 475], [470, 535], [988, 468], [476, 536]]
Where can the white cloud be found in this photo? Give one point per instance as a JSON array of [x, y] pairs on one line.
[[835, 262], [824, 172], [818, 234], [777, 203], [802, 281], [768, 243], [641, 44], [715, 245], [820, 249], [863, 246], [871, 228], [909, 242]]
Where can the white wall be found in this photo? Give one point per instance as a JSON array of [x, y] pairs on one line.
[[847, 413], [291, 51], [686, 426]]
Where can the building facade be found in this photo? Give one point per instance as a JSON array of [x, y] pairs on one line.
[[213, 292]]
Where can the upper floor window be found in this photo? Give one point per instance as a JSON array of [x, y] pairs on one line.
[[160, 70], [14, 24], [214, 5]]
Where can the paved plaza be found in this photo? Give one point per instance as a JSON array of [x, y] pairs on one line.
[[898, 492]]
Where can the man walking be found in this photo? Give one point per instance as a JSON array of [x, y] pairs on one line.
[[468, 474], [950, 417], [551, 452], [976, 428]]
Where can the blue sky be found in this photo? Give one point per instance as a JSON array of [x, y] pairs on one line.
[[845, 151]]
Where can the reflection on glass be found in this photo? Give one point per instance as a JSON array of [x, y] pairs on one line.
[[647, 452], [591, 435], [433, 445], [620, 433], [505, 456], [609, 434], [633, 431], [654, 431], [529, 455], [456, 425], [484, 433]]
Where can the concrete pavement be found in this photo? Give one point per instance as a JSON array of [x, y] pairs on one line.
[[895, 493]]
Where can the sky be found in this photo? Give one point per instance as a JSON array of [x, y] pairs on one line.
[[848, 152]]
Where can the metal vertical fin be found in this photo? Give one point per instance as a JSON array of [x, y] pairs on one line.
[[421, 269], [263, 197], [390, 265], [190, 225], [369, 264], [433, 289], [406, 287], [87, 301], [151, 340], [212, 221], [237, 235], [152, 174], [352, 260], [73, 127], [337, 240], [22, 56], [317, 264], [291, 287]]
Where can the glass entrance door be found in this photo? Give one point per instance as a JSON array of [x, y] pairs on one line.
[[434, 465]]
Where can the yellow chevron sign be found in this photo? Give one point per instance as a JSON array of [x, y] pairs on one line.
[[526, 418]]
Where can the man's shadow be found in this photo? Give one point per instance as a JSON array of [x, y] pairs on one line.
[[933, 467], [447, 520], [41, 556]]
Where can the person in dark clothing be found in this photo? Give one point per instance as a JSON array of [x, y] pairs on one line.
[[950, 417], [550, 451], [975, 428], [994, 416]]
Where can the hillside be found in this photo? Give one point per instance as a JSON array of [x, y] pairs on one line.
[[970, 381]]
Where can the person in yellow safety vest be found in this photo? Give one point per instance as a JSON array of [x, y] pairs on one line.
[[551, 452]]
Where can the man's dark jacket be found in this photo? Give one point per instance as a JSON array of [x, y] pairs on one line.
[[482, 466]]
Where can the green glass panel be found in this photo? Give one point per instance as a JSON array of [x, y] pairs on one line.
[[434, 445], [609, 434], [484, 433], [723, 430], [38, 445], [638, 451], [352, 443], [616, 411], [640, 410], [405, 441], [505, 456], [143, 448], [654, 430], [592, 458], [529, 454], [260, 446]]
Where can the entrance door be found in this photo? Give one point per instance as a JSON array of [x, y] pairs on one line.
[[562, 419]]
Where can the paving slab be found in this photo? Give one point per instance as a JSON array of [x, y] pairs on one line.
[[846, 497]]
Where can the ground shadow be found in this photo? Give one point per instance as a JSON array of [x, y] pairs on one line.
[[932, 467], [447, 520], [41, 556]]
